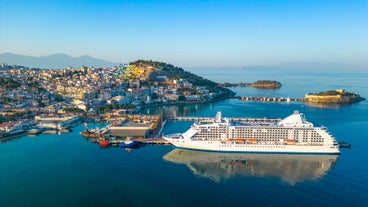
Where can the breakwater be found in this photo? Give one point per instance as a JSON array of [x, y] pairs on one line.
[[269, 99]]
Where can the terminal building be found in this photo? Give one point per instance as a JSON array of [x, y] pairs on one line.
[[130, 129]]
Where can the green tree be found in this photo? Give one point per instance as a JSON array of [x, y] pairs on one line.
[[59, 98]]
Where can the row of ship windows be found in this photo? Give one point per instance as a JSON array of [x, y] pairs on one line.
[[254, 146], [264, 139], [258, 132], [316, 136], [257, 129], [255, 134], [261, 131]]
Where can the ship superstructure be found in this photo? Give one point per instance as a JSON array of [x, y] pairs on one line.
[[293, 134]]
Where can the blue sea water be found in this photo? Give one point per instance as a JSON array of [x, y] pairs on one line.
[[68, 170]]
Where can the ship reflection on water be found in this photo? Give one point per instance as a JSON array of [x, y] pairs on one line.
[[218, 166]]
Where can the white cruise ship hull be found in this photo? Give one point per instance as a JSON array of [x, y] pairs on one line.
[[257, 148], [293, 134]]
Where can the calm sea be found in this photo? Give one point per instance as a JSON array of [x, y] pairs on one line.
[[68, 170]]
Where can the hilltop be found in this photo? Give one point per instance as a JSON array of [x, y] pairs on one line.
[[153, 72]]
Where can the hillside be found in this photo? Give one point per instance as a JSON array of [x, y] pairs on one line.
[[154, 71]]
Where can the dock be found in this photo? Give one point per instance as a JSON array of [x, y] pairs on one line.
[[152, 141], [269, 99], [161, 129]]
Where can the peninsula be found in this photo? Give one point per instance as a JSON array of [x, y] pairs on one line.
[[339, 96]]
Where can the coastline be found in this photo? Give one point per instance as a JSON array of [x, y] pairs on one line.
[[10, 137], [229, 95], [185, 102]]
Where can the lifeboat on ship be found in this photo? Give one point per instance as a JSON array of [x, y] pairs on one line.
[[290, 141], [239, 139], [252, 140]]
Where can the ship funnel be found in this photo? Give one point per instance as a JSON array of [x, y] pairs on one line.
[[218, 116]]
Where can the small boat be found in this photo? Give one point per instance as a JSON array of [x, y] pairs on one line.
[[343, 144], [128, 143], [103, 143], [90, 133], [34, 131]]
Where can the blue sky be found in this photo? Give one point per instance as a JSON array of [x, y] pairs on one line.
[[190, 33]]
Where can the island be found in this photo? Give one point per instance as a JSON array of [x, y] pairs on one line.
[[339, 96], [267, 84]]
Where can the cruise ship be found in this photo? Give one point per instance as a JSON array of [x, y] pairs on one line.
[[293, 134]]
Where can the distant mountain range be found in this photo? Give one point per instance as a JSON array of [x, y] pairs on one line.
[[55, 61]]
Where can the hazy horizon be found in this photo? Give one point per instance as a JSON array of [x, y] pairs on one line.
[[64, 60]]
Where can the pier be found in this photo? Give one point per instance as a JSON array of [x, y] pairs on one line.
[[152, 141], [269, 99], [161, 129]]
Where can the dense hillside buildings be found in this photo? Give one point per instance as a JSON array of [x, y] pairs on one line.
[[32, 91]]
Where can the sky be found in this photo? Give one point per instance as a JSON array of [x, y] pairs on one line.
[[190, 33]]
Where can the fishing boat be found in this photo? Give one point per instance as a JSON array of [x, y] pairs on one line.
[[129, 143], [103, 143], [90, 133], [35, 131]]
